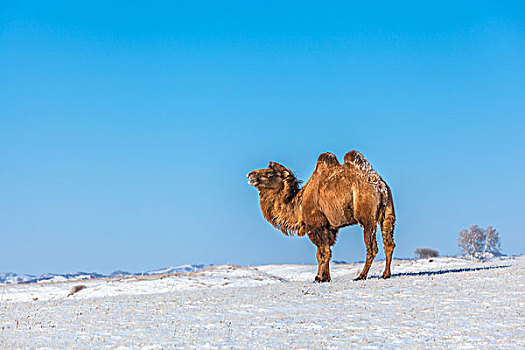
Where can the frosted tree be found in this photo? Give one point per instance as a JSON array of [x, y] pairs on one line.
[[492, 241], [472, 240], [477, 241]]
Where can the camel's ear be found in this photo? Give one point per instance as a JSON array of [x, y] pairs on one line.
[[280, 168]]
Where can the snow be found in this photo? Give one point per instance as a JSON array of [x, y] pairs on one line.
[[428, 303]]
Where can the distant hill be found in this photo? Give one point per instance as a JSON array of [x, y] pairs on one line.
[[13, 278]]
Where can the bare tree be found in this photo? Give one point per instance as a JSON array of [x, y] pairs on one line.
[[424, 253]]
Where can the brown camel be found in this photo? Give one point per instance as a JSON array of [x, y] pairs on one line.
[[335, 196]]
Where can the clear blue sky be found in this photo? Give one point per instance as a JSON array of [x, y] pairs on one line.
[[126, 130]]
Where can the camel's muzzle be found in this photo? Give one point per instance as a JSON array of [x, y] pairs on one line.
[[252, 180]]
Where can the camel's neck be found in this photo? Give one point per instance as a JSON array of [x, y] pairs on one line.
[[282, 210]]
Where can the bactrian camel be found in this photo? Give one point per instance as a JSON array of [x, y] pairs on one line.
[[336, 195]]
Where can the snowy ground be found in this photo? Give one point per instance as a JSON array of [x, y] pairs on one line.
[[444, 303]]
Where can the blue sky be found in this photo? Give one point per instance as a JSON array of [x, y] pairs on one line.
[[126, 130]]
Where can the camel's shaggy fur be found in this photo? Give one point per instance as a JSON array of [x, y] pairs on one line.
[[335, 196]]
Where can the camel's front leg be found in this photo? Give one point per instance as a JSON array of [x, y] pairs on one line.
[[324, 254], [323, 240]]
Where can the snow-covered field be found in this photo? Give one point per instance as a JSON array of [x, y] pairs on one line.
[[443, 303]]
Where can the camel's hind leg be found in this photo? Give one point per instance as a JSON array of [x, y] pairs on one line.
[[387, 230], [371, 249]]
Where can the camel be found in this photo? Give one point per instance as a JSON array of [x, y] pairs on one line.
[[336, 195]]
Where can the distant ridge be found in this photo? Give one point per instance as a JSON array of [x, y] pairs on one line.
[[13, 278]]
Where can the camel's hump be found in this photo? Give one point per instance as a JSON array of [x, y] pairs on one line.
[[329, 159], [357, 159]]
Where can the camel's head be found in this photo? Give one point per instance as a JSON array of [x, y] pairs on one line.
[[272, 177]]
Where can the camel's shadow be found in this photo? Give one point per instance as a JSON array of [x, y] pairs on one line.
[[441, 272]]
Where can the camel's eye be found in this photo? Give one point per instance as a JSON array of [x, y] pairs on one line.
[[271, 174]]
